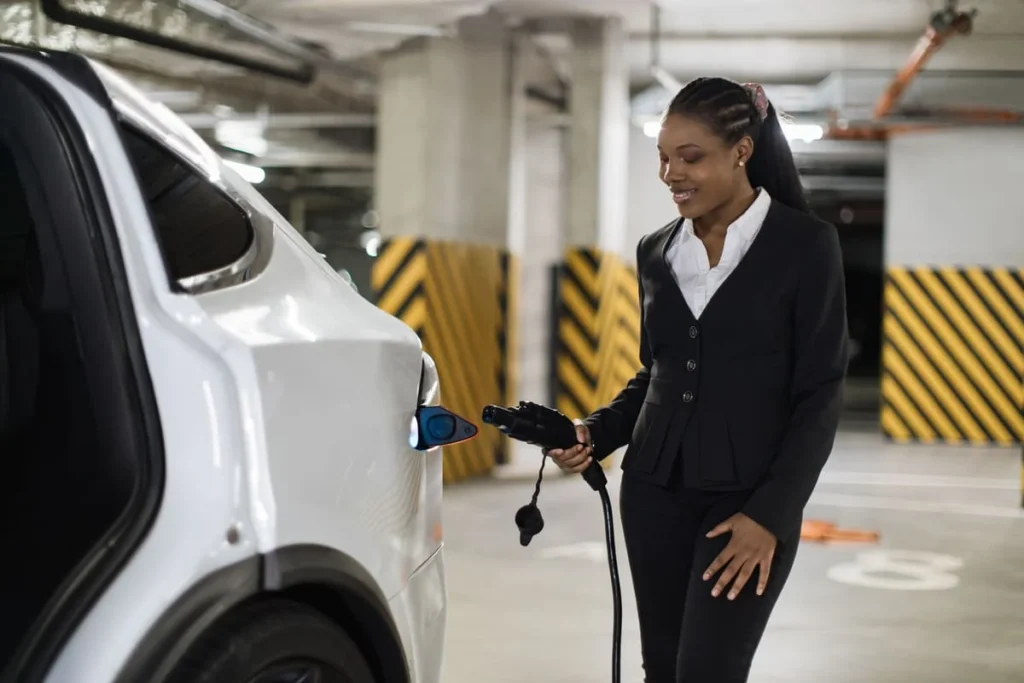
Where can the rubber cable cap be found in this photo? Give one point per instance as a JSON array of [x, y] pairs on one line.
[[530, 522]]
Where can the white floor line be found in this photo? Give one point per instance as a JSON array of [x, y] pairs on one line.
[[882, 503], [918, 480]]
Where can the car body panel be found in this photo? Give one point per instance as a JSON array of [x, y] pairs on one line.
[[285, 404], [421, 614]]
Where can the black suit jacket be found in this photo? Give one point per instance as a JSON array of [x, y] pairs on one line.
[[748, 397]]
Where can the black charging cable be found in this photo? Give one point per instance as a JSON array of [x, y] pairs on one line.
[[545, 427]]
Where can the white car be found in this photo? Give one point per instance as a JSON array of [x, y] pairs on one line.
[[217, 462]]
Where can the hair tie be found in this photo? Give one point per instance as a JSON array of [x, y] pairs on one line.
[[756, 92]]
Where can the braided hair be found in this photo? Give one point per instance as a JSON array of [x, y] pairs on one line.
[[731, 111]]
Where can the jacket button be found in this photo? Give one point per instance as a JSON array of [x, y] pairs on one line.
[[693, 332], [688, 396], [691, 365]]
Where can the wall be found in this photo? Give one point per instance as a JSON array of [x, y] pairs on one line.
[[545, 220], [649, 203], [954, 197], [538, 248]]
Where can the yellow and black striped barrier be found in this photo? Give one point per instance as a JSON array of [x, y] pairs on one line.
[[598, 330], [456, 297], [953, 356], [397, 280]]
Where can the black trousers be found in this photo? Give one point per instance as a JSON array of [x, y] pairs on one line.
[[688, 636]]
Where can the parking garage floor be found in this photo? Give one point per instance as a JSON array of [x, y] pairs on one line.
[[955, 615]]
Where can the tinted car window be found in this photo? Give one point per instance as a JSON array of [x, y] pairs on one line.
[[198, 227]]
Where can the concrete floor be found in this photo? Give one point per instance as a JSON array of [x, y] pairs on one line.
[[543, 613]]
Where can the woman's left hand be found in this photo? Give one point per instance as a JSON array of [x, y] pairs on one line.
[[751, 547]]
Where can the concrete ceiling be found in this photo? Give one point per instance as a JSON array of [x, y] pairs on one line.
[[773, 41], [770, 40], [805, 40], [798, 46]]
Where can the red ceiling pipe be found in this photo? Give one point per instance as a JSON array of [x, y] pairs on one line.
[[943, 25]]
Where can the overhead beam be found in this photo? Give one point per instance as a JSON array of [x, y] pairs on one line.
[[290, 121], [312, 159]]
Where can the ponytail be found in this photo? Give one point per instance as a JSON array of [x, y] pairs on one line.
[[772, 167]]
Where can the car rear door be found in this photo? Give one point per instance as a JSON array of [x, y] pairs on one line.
[[161, 392]]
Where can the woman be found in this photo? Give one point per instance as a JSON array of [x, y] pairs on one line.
[[734, 411]]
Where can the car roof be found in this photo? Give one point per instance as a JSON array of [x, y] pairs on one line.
[[158, 121]]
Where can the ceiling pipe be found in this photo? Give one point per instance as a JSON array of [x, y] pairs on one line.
[[302, 72], [943, 25], [307, 58], [979, 115], [933, 120], [263, 34]]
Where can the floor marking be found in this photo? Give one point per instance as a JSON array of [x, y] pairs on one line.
[[899, 570], [921, 480], [819, 531], [882, 503]]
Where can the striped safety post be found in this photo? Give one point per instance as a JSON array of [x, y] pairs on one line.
[[598, 330], [953, 356], [952, 359], [456, 297]]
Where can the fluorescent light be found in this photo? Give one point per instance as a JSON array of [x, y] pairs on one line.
[[371, 240], [805, 132], [251, 174]]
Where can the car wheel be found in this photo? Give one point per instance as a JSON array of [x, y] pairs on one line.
[[273, 641]]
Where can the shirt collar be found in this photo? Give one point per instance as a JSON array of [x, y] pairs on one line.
[[746, 226]]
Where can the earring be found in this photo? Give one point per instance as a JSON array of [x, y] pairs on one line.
[[743, 163]]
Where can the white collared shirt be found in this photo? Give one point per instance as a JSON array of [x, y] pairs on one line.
[[688, 256]]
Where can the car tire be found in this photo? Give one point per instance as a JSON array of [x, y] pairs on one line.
[[268, 639]]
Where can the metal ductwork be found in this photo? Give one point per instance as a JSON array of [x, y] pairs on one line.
[[865, 105]]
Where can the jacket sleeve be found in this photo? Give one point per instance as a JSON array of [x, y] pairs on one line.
[[821, 355], [612, 425]]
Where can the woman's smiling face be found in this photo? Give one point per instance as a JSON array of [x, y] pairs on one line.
[[700, 170]]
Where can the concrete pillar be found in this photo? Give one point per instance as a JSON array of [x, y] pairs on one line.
[[444, 136], [450, 175], [598, 135], [953, 197], [953, 331]]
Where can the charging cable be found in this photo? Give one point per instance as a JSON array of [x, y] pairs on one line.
[[545, 427]]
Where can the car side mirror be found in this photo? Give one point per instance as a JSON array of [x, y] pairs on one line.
[[435, 426]]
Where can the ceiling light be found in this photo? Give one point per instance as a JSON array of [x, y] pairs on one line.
[[251, 174], [805, 132]]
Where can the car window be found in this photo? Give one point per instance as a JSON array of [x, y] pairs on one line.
[[199, 228]]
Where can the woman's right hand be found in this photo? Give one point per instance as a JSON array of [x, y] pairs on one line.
[[577, 458]]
